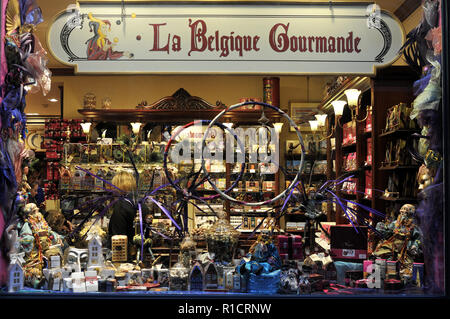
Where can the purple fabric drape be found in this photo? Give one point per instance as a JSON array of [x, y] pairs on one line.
[[3, 67], [3, 71]]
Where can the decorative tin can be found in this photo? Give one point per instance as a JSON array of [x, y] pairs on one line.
[[89, 101], [271, 91], [228, 274], [392, 269], [236, 282], [121, 279]]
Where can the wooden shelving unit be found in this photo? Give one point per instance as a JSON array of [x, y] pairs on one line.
[[391, 86], [182, 108]]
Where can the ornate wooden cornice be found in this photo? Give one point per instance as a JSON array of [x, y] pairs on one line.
[[181, 100]]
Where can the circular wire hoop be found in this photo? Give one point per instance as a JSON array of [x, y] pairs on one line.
[[300, 167], [185, 191]]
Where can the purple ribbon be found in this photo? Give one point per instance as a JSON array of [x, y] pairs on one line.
[[344, 209], [165, 211], [142, 230]]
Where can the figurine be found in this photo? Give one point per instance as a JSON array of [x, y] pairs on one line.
[[35, 237], [403, 241], [289, 281], [106, 103]]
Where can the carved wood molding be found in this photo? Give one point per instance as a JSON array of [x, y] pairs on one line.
[[181, 100]]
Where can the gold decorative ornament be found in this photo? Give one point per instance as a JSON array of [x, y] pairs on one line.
[[12, 16]]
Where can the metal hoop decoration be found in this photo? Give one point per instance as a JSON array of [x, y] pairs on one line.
[[300, 167], [169, 143]]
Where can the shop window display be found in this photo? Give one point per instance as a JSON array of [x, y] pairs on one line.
[[210, 227]]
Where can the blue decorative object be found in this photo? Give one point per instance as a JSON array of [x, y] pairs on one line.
[[265, 283]]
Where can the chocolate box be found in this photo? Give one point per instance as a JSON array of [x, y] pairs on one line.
[[348, 245]]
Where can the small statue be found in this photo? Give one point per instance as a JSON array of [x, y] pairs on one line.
[[403, 241], [106, 103], [35, 238]]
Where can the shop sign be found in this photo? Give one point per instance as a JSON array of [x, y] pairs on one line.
[[114, 37]]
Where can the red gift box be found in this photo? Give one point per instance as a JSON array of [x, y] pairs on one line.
[[353, 132], [296, 239], [297, 252], [345, 134], [291, 246], [369, 120], [369, 151], [368, 191], [283, 243], [349, 133]]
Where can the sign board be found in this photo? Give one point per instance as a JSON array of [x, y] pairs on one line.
[[214, 37]]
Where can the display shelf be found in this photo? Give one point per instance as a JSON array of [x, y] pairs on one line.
[[307, 174], [355, 171], [348, 147], [251, 192], [307, 157], [399, 199], [398, 132], [398, 167], [349, 195]]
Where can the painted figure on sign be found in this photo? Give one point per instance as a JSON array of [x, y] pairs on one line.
[[99, 47]]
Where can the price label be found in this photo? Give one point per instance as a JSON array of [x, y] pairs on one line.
[[348, 252]]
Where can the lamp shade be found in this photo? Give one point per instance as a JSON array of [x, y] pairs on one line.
[[136, 126], [228, 124], [314, 125], [86, 127], [321, 119], [338, 107], [278, 127], [352, 97]]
